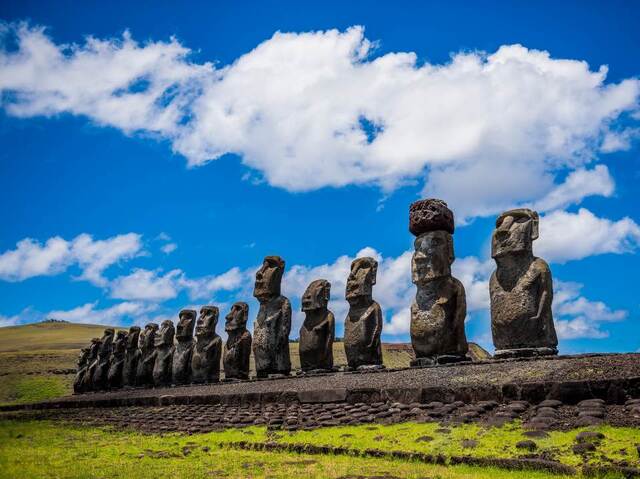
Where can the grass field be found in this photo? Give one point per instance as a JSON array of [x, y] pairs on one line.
[[46, 450], [36, 359]]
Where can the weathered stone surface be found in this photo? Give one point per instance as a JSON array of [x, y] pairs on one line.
[[430, 215], [131, 357], [183, 350], [323, 395], [101, 372], [146, 362], [439, 310], [163, 354], [116, 363], [273, 323], [237, 349], [92, 364], [363, 325], [318, 330], [521, 289], [205, 361], [83, 366]]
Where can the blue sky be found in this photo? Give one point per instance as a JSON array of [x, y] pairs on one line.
[[152, 155]]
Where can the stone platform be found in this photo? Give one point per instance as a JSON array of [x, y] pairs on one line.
[[614, 378]]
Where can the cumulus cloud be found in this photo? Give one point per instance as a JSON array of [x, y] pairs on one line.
[[114, 315], [317, 109], [579, 317], [31, 258], [568, 236]]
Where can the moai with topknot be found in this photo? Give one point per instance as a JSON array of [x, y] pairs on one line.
[[205, 360], [363, 325], [163, 354], [131, 357], [101, 373], [318, 330], [237, 349], [439, 309], [147, 358], [521, 289], [116, 363], [273, 323], [184, 347]]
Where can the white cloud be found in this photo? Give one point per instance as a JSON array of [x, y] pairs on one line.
[[568, 236], [114, 315], [148, 285], [9, 320], [31, 258], [579, 317], [578, 185], [309, 110], [169, 248]]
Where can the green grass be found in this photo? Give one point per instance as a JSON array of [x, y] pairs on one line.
[[53, 450], [15, 389]]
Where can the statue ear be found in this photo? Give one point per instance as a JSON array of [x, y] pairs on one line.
[[374, 272], [535, 225], [452, 255]]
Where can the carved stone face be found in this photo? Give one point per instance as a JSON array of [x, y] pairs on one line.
[[206, 325], [84, 357], [317, 295], [514, 233], [268, 278], [237, 317], [120, 342], [362, 277], [107, 342], [94, 348], [433, 256], [133, 337], [186, 324], [147, 338], [164, 337]]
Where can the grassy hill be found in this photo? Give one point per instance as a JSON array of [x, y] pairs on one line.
[[37, 360]]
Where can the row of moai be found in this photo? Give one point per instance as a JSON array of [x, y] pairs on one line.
[[521, 319]]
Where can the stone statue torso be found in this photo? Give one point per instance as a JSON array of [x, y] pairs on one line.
[[515, 300], [315, 346], [433, 318], [271, 336], [163, 366], [129, 371], [362, 336], [237, 352], [205, 360], [182, 361]]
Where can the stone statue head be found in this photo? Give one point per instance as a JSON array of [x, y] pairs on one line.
[[433, 256], [120, 342], [147, 338], [84, 357], [316, 295], [186, 323], [106, 343], [94, 348], [362, 278], [268, 278], [515, 232], [164, 337], [133, 337], [237, 317], [207, 321]]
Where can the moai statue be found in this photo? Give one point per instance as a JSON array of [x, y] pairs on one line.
[[92, 364], [101, 373], [116, 364], [237, 349], [83, 365], [440, 307], [363, 325], [521, 289], [205, 360], [273, 323], [184, 348], [319, 328], [163, 354], [147, 358], [131, 357]]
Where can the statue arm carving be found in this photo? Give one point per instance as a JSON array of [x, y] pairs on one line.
[[331, 323], [285, 311], [546, 296], [377, 329]]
